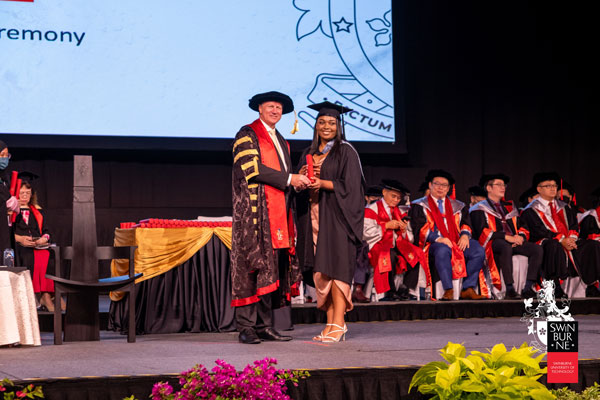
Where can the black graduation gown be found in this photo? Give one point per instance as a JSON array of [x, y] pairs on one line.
[[24, 255], [589, 249], [5, 237], [341, 216]]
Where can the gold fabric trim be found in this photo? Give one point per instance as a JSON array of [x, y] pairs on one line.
[[160, 249], [244, 153], [253, 197], [242, 140], [252, 185], [254, 209]]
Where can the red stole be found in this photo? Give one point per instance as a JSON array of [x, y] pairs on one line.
[[278, 218], [40, 260], [558, 221], [38, 216], [459, 267]]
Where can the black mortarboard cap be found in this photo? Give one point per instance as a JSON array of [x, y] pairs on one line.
[[27, 176], [434, 173], [490, 177], [373, 191], [543, 177], [393, 184], [330, 109], [477, 191], [532, 191], [285, 100], [567, 186]]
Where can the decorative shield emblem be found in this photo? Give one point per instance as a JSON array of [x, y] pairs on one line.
[[541, 331]]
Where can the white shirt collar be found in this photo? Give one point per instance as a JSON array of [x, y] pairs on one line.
[[267, 127]]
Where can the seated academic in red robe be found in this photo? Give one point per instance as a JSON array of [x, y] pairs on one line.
[[553, 226], [498, 228], [390, 238], [32, 237]]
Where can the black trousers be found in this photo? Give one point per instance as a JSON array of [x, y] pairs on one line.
[[411, 276], [259, 316], [503, 252]]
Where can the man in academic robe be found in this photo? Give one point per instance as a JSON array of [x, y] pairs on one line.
[[553, 227], [391, 251], [589, 238], [527, 197], [263, 260], [372, 194], [442, 228], [497, 227]]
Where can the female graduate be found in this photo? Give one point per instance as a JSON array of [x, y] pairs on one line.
[[32, 237], [331, 217]]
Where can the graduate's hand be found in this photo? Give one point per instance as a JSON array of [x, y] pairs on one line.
[[519, 240], [402, 225], [568, 243], [303, 170], [444, 240], [41, 241], [315, 184], [463, 242], [25, 241], [393, 224], [300, 182]]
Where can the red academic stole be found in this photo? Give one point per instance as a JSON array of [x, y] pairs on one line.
[[278, 219], [40, 259], [459, 267]]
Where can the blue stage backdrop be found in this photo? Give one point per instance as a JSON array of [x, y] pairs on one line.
[[186, 69]]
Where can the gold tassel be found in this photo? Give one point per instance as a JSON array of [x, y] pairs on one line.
[[295, 128]]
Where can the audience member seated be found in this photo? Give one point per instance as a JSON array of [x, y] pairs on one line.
[[499, 230], [390, 238], [527, 197], [554, 227], [477, 194], [442, 228], [32, 237]]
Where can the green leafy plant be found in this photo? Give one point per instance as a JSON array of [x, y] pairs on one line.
[[499, 374], [12, 391], [591, 393]]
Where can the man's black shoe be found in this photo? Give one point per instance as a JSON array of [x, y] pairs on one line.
[[392, 296], [272, 334], [528, 294], [592, 291], [248, 336], [512, 295]]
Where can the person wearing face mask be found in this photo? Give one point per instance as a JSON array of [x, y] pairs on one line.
[[331, 217], [8, 204]]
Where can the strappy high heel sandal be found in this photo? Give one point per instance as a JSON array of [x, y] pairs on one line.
[[319, 338], [329, 339]]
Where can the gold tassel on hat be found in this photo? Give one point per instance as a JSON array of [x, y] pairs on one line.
[[295, 128]]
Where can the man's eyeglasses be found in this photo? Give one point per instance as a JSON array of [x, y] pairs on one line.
[[500, 184], [440, 185], [549, 186]]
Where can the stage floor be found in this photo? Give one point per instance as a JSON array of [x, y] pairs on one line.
[[371, 344]]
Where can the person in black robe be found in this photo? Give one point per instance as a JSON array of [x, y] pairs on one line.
[[589, 240], [263, 261], [7, 201], [331, 217], [553, 226], [32, 237]]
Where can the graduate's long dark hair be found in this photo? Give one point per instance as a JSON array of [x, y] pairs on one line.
[[339, 137]]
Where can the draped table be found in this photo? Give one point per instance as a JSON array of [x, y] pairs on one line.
[[186, 286], [18, 311]]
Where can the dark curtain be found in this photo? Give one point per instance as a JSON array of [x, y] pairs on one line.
[[193, 297]]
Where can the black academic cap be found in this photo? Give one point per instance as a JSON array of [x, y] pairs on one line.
[[330, 109], [284, 99], [490, 177], [532, 191], [2, 145], [477, 191], [434, 173], [566, 185], [423, 187], [27, 176], [543, 177], [393, 184], [373, 191]]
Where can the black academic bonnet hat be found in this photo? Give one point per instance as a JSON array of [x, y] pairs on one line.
[[27, 176], [543, 177], [567, 186], [532, 191], [373, 191], [477, 191], [284, 99], [330, 109], [2, 145], [490, 177], [434, 173], [393, 184], [423, 187]]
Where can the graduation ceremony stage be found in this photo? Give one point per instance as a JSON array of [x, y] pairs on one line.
[[377, 361]]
